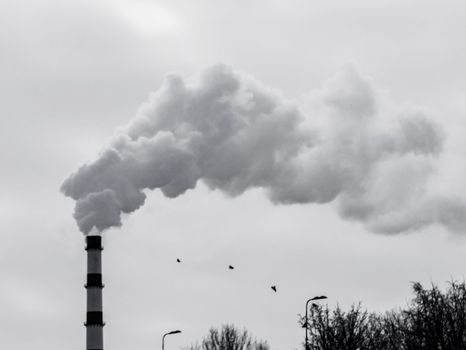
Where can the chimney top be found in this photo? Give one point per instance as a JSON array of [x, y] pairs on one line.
[[94, 243]]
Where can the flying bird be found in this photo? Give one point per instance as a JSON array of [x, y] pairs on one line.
[[230, 267], [274, 288], [178, 260]]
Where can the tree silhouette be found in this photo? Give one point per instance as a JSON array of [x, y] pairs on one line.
[[432, 320], [229, 338]]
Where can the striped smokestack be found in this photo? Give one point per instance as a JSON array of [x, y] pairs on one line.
[[94, 318]]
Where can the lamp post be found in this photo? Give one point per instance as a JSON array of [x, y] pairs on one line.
[[163, 338], [306, 324]]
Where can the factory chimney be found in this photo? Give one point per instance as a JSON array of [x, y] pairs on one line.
[[94, 319]]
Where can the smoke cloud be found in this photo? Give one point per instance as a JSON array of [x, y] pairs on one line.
[[232, 132]]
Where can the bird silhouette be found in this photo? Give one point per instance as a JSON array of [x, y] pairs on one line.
[[178, 260], [230, 267], [274, 288]]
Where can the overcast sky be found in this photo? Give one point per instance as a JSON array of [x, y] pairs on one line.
[[71, 73]]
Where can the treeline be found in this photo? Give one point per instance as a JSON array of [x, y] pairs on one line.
[[433, 320]]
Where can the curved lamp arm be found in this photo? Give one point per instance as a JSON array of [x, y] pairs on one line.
[[163, 338]]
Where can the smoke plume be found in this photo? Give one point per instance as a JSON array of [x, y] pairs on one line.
[[233, 133]]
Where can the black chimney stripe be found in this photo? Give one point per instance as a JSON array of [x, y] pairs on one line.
[[94, 318], [94, 280], [94, 242]]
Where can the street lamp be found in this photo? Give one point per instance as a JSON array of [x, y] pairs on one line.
[[163, 338], [306, 324]]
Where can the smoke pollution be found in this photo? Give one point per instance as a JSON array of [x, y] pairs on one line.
[[232, 132]]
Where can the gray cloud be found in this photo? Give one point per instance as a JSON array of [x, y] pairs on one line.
[[232, 132]]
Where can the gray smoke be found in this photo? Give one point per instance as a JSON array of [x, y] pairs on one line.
[[233, 133]]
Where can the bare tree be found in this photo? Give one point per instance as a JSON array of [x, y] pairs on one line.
[[337, 329], [229, 338], [436, 320]]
